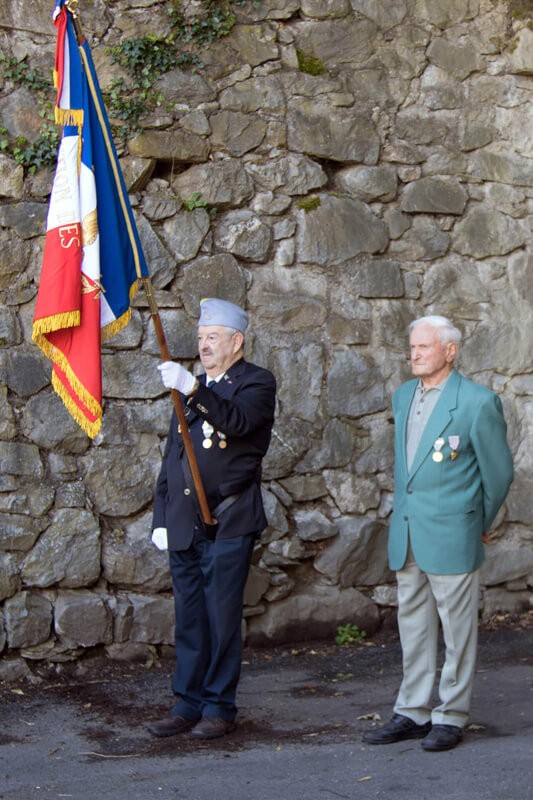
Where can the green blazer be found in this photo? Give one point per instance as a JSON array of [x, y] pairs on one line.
[[443, 507]]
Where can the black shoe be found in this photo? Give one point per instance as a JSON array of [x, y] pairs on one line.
[[398, 729], [171, 726], [442, 737], [211, 728]]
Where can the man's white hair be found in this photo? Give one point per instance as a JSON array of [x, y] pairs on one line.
[[446, 330], [233, 331]]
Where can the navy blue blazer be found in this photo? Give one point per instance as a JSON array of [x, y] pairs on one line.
[[241, 407]]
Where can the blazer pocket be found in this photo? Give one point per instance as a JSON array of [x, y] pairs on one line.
[[450, 508]]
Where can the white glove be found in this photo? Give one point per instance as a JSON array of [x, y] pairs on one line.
[[174, 376], [159, 538]]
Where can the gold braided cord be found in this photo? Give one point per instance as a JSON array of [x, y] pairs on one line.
[[114, 165]]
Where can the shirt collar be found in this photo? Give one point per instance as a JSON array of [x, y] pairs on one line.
[[438, 388], [217, 379]]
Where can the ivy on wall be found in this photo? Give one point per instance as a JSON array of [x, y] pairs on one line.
[[521, 10], [144, 59], [148, 57], [42, 152]]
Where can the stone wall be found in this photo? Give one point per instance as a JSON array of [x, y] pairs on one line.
[[397, 182]]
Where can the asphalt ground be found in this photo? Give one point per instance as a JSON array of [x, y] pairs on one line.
[[78, 730]]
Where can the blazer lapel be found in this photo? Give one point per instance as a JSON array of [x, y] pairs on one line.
[[438, 420], [401, 422], [228, 383], [190, 413]]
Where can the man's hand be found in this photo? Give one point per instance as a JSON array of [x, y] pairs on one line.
[[174, 376], [160, 539]]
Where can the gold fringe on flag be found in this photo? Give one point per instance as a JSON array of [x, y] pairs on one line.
[[90, 428], [69, 116], [58, 358], [68, 319], [114, 327]]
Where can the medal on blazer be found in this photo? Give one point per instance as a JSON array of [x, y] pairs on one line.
[[437, 455], [453, 441], [208, 431], [222, 442], [187, 411]]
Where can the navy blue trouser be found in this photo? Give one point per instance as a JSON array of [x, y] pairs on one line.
[[208, 581]]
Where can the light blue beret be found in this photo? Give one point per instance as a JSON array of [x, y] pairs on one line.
[[214, 311]]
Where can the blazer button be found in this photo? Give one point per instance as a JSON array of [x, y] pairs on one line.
[[409, 491], [405, 519], [186, 491]]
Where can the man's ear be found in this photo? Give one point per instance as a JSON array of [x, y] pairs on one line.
[[238, 341], [451, 352]]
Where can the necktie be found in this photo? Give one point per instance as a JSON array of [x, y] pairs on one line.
[[210, 383]]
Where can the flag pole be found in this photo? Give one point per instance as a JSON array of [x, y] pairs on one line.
[[189, 449], [72, 8]]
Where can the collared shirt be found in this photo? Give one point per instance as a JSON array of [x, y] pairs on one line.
[[422, 405], [211, 381]]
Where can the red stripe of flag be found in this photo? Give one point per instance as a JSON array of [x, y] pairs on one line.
[[92, 257]]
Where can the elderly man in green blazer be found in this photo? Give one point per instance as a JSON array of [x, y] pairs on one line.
[[453, 469]]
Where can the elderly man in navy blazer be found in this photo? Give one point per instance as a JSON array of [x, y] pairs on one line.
[[453, 469], [230, 413]]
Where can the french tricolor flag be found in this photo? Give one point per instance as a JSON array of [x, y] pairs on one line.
[[92, 256]]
